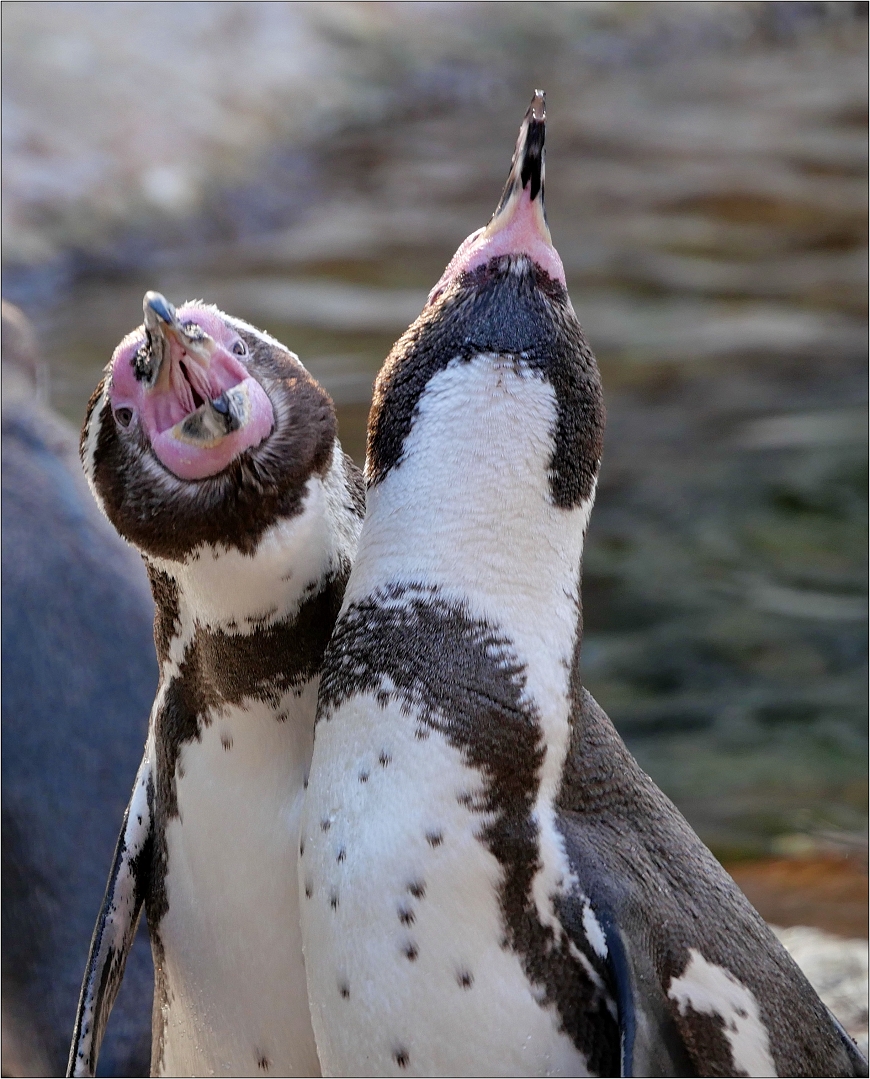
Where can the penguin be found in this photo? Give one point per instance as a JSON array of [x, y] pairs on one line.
[[489, 883], [212, 450], [79, 676]]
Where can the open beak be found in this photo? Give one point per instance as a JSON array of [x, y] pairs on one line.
[[180, 358]]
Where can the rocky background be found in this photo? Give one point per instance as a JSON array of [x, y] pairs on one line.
[[312, 168]]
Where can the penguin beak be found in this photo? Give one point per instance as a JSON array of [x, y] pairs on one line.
[[167, 338], [526, 174], [181, 357], [519, 224]]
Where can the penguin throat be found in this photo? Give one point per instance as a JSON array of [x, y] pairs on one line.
[[470, 506]]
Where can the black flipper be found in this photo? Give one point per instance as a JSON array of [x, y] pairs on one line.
[[650, 1043], [116, 926]]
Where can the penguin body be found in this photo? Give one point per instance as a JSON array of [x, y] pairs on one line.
[[489, 883], [212, 450]]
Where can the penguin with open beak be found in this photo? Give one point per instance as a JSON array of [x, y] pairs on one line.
[[213, 451], [489, 883]]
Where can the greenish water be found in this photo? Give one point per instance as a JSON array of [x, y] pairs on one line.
[[710, 208]]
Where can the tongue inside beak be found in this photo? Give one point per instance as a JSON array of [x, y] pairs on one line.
[[203, 408], [519, 224], [213, 420]]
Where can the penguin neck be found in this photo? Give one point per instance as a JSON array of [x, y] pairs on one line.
[[469, 511], [225, 590]]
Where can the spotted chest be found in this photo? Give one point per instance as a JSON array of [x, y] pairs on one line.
[[427, 863], [231, 735], [394, 844], [231, 986]]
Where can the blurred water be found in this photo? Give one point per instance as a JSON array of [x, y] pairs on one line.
[[706, 188]]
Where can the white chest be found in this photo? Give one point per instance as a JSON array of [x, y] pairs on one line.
[[237, 1001], [408, 969]]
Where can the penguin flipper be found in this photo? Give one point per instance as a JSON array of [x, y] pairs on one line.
[[116, 926], [651, 1044], [650, 1041]]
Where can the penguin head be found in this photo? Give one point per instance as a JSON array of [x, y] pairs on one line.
[[203, 429], [183, 380], [503, 296]]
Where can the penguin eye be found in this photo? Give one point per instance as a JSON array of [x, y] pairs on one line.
[[123, 416], [240, 348]]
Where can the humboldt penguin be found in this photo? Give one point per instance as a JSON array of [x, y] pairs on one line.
[[489, 883], [213, 451]]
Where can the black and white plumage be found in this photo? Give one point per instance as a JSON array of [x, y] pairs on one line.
[[247, 515], [489, 883]]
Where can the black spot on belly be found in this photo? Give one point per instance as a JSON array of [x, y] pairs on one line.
[[465, 979], [401, 1057], [262, 1062], [384, 759], [344, 990], [410, 951], [333, 900], [417, 888], [406, 916], [363, 777], [341, 856], [325, 824], [227, 742], [309, 890], [434, 839], [301, 848]]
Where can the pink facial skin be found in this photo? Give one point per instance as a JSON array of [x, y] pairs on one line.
[[520, 229], [160, 409]]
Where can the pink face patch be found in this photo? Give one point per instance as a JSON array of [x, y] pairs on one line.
[[520, 229], [198, 404]]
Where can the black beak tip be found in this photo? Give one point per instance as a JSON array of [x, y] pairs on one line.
[[161, 307]]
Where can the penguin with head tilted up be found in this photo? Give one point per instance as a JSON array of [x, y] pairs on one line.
[[489, 883], [213, 451]]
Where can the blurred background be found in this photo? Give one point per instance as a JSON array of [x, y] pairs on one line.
[[312, 167]]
